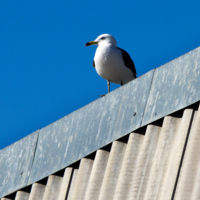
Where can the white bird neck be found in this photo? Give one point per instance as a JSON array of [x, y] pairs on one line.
[[106, 44]]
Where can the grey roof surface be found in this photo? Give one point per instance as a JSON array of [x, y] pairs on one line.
[[175, 85], [162, 163], [150, 97], [15, 164]]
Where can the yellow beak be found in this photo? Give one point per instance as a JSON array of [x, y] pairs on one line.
[[91, 43]]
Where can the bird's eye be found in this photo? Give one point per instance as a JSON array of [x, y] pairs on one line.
[[102, 38]]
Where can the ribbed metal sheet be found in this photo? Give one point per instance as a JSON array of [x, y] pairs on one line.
[[188, 186], [150, 97], [162, 164]]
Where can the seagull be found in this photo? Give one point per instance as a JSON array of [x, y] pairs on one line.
[[111, 62]]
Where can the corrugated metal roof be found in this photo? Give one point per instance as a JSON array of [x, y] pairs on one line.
[[158, 161], [152, 96]]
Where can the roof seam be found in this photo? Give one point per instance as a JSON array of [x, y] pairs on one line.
[[33, 158], [148, 96]]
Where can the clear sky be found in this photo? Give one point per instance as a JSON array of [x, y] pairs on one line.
[[46, 71]]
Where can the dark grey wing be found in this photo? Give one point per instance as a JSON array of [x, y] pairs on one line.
[[93, 64], [128, 62]]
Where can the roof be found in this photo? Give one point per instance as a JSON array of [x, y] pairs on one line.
[[139, 141]]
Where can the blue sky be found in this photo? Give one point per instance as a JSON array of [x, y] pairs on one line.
[[46, 71]]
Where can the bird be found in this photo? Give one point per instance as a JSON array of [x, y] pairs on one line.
[[111, 62]]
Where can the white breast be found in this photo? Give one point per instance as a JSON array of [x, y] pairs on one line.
[[109, 64]]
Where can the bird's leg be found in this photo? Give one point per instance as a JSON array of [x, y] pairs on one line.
[[121, 82], [108, 82]]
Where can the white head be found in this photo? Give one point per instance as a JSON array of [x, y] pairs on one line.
[[103, 39]]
